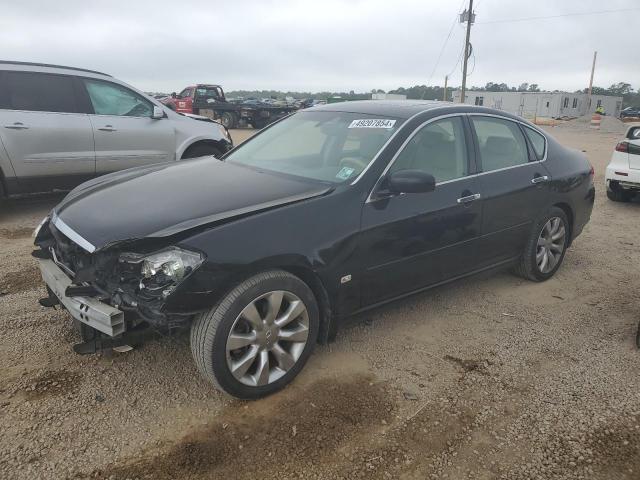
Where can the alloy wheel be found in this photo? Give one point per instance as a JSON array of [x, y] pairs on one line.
[[267, 338], [550, 244]]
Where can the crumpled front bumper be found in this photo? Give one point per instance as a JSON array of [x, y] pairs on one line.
[[90, 311]]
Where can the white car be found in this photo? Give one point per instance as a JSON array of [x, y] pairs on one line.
[[60, 126], [623, 172]]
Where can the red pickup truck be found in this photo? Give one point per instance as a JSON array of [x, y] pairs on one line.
[[209, 101]]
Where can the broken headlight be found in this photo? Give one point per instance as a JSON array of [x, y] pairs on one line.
[[36, 231], [165, 269]]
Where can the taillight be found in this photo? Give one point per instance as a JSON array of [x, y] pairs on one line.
[[622, 147]]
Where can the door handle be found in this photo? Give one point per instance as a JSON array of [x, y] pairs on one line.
[[469, 198], [107, 128], [540, 179], [17, 126]]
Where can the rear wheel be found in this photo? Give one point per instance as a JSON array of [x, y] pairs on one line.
[[260, 123], [201, 150], [546, 246], [258, 338]]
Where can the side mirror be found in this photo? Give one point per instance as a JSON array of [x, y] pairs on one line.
[[410, 181], [158, 113], [174, 95], [633, 133]]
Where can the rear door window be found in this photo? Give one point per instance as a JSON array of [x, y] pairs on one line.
[[38, 92], [112, 99], [501, 143]]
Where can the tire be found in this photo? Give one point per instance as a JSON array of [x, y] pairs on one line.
[[228, 119], [260, 123], [201, 150], [638, 337], [618, 195], [528, 267], [210, 334]]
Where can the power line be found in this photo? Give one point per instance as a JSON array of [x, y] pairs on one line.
[[457, 62], [526, 19], [444, 45]]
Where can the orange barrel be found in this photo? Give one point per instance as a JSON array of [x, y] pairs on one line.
[[596, 118]]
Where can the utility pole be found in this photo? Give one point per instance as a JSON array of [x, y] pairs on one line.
[[593, 69], [469, 17], [444, 96]]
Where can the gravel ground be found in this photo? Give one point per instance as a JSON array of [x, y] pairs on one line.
[[491, 377]]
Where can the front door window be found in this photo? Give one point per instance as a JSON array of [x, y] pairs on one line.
[[111, 99]]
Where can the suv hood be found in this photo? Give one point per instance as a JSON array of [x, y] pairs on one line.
[[165, 199]]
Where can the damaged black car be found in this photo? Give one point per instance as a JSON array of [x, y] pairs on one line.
[[326, 213]]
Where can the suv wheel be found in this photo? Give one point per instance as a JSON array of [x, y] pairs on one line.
[[546, 246], [258, 338], [201, 150]]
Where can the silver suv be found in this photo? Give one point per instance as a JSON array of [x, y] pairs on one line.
[[60, 126]]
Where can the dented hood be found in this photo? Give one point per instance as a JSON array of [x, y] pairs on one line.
[[162, 200]]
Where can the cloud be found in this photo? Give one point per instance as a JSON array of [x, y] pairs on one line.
[[329, 45]]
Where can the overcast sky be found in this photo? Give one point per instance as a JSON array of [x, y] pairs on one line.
[[325, 44]]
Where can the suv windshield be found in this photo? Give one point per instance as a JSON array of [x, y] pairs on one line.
[[327, 146]]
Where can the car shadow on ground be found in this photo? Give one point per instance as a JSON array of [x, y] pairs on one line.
[[20, 209]]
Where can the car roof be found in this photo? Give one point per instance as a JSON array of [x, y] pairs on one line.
[[393, 108], [407, 108], [45, 67]]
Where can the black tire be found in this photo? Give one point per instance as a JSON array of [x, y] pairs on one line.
[[618, 195], [210, 330], [260, 123], [638, 337], [527, 267], [228, 119], [201, 150]]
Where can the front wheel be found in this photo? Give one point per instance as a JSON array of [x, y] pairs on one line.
[[544, 252], [258, 338], [201, 150]]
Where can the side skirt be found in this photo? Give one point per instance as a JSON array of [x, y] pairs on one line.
[[495, 267]]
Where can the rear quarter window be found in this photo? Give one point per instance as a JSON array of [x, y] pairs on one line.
[[537, 141], [38, 92]]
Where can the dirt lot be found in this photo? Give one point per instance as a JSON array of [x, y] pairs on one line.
[[487, 378]]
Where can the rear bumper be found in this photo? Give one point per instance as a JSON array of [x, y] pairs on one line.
[[89, 311], [614, 179]]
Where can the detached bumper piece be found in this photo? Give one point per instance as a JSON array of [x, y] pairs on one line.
[[92, 312], [133, 338]]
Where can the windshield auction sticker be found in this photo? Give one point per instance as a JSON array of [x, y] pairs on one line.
[[373, 123]]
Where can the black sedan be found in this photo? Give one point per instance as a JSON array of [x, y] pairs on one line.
[[630, 112], [328, 212]]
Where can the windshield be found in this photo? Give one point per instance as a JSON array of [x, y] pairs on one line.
[[327, 146]]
